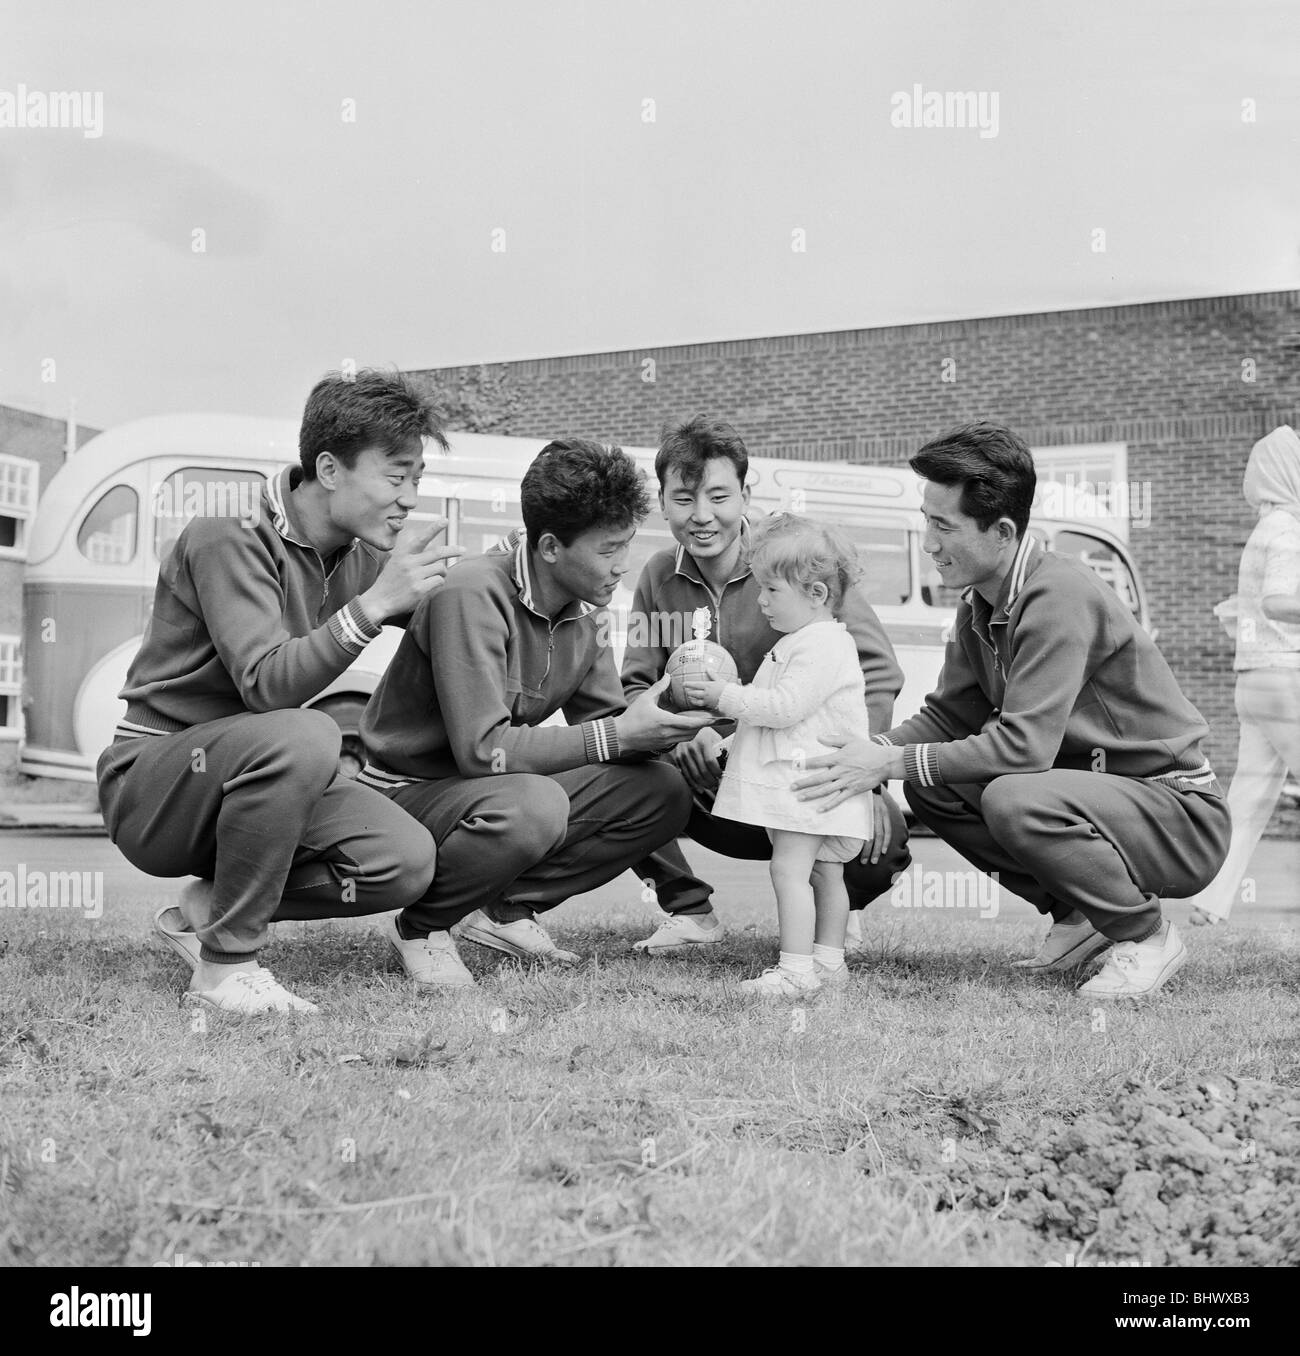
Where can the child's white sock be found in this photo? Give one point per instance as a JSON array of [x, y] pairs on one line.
[[799, 965], [828, 957]]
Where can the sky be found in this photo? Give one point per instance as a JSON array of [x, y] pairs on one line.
[[424, 184]]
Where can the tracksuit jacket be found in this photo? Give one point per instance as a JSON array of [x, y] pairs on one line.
[[1057, 675], [247, 618], [479, 669]]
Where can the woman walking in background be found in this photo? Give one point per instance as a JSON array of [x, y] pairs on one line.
[[1267, 662]]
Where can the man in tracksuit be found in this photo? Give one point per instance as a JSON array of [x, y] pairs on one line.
[[701, 467], [215, 770], [1058, 750], [524, 814]]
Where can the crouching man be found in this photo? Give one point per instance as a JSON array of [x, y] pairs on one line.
[[525, 815], [216, 771], [1058, 751]]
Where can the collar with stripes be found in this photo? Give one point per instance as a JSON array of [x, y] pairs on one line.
[[524, 581], [277, 497]]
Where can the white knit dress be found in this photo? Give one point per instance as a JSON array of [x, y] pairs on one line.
[[809, 684]]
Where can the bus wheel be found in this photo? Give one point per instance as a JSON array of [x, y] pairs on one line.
[[345, 712]]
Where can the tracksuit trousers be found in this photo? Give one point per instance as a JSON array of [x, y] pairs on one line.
[[1110, 847], [517, 844], [254, 803]]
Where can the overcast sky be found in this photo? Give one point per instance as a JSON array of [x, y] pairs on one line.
[[626, 224]]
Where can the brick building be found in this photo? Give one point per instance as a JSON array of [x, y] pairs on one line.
[[32, 448], [1174, 391]]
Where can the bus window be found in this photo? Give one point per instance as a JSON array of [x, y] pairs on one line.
[[1103, 560], [886, 565], [207, 491], [107, 534]]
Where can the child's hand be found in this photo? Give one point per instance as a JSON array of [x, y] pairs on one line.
[[705, 693]]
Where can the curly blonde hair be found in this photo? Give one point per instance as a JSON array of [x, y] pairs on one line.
[[804, 553]]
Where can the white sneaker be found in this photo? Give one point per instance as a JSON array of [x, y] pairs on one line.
[[170, 927], [679, 932], [525, 939], [247, 992], [432, 962], [1136, 968], [831, 979], [779, 983], [1066, 946], [853, 932]]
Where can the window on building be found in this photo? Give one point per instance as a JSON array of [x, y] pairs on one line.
[[202, 491], [11, 683], [1089, 481], [19, 479], [108, 533]]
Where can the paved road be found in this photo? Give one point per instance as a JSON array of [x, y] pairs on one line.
[[743, 892]]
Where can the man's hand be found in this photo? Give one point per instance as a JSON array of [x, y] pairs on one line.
[[858, 766], [645, 727], [697, 760], [704, 693], [414, 567], [881, 829]]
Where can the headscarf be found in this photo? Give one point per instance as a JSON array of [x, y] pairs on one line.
[[1273, 472]]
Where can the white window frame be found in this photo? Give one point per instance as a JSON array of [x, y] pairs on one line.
[[29, 480], [1061, 465], [11, 664]]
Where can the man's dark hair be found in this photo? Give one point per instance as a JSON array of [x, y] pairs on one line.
[[574, 485], [994, 468], [373, 409], [687, 447]]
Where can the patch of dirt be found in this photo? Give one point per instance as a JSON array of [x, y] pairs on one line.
[[1201, 1173]]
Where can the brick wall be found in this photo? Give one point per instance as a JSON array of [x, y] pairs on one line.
[[1166, 378]]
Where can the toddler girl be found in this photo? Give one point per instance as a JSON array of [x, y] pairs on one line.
[[809, 685]]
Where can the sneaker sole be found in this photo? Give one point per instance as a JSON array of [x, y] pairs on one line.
[[428, 985], [1170, 969], [190, 955], [1072, 959], [490, 939], [202, 1000], [645, 949]]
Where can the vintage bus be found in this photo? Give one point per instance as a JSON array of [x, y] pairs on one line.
[[112, 513]]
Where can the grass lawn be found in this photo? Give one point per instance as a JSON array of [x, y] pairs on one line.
[[633, 1112]]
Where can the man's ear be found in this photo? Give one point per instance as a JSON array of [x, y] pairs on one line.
[[327, 470], [548, 547], [744, 495], [662, 509], [1006, 531]]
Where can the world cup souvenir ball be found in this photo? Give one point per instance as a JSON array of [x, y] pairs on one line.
[[695, 660]]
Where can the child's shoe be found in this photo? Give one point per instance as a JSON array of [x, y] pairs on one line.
[[831, 979], [778, 983]]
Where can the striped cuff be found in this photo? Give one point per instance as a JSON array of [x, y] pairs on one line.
[[882, 739], [601, 740], [352, 628], [921, 764]]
